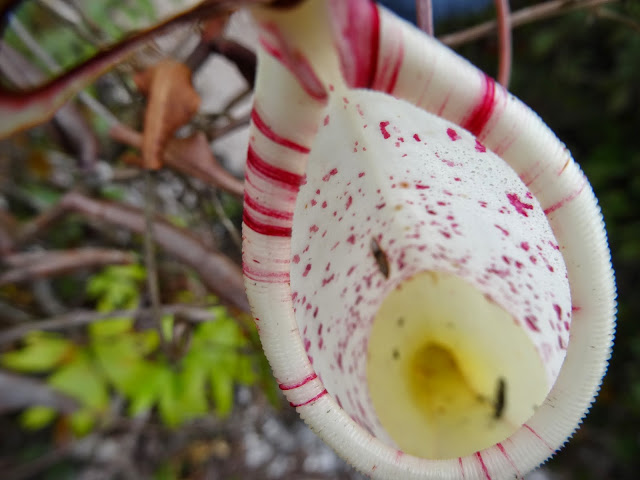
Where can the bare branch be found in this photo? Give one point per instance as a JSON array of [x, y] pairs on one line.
[[81, 318], [153, 286], [31, 265], [243, 58], [8, 226], [218, 273], [524, 16], [21, 392], [76, 132], [504, 42], [32, 229], [38, 104], [233, 124], [608, 14], [424, 14]]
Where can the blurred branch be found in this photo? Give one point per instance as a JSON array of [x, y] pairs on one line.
[[243, 58], [111, 456], [10, 314], [38, 104], [29, 469], [504, 41], [74, 17], [27, 266], [80, 318], [608, 14], [153, 286], [8, 226], [226, 221], [76, 132], [424, 14], [233, 124], [53, 67], [46, 298], [33, 228], [218, 273], [521, 17], [21, 392]]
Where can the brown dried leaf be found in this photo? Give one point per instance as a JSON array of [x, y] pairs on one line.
[[194, 157], [172, 103]]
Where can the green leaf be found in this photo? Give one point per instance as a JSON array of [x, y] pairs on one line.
[[147, 341], [268, 382], [183, 397], [116, 287], [43, 196], [109, 192], [82, 421], [35, 418], [42, 352], [245, 371], [81, 381], [119, 358], [166, 325], [169, 402], [222, 391], [110, 327], [224, 331], [193, 391], [151, 379], [166, 471]]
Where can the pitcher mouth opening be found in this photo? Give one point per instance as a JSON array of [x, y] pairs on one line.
[[449, 371]]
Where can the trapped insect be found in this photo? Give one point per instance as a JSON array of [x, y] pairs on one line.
[[501, 398], [380, 257]]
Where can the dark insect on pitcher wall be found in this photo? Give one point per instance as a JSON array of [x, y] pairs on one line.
[[380, 257]]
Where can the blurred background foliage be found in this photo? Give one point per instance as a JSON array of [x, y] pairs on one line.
[[580, 72]]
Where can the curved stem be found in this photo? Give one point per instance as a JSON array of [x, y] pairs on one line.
[[424, 14], [504, 40]]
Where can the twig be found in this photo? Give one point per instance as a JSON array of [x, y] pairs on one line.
[[150, 253], [218, 273], [32, 468], [424, 15], [8, 226], [607, 14], [32, 229], [235, 100], [233, 124], [46, 298], [74, 128], [10, 314], [20, 391], [53, 67], [81, 318], [243, 58], [504, 42], [228, 224], [30, 265], [521, 17], [70, 15]]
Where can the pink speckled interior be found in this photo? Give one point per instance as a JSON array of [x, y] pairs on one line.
[[435, 199]]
